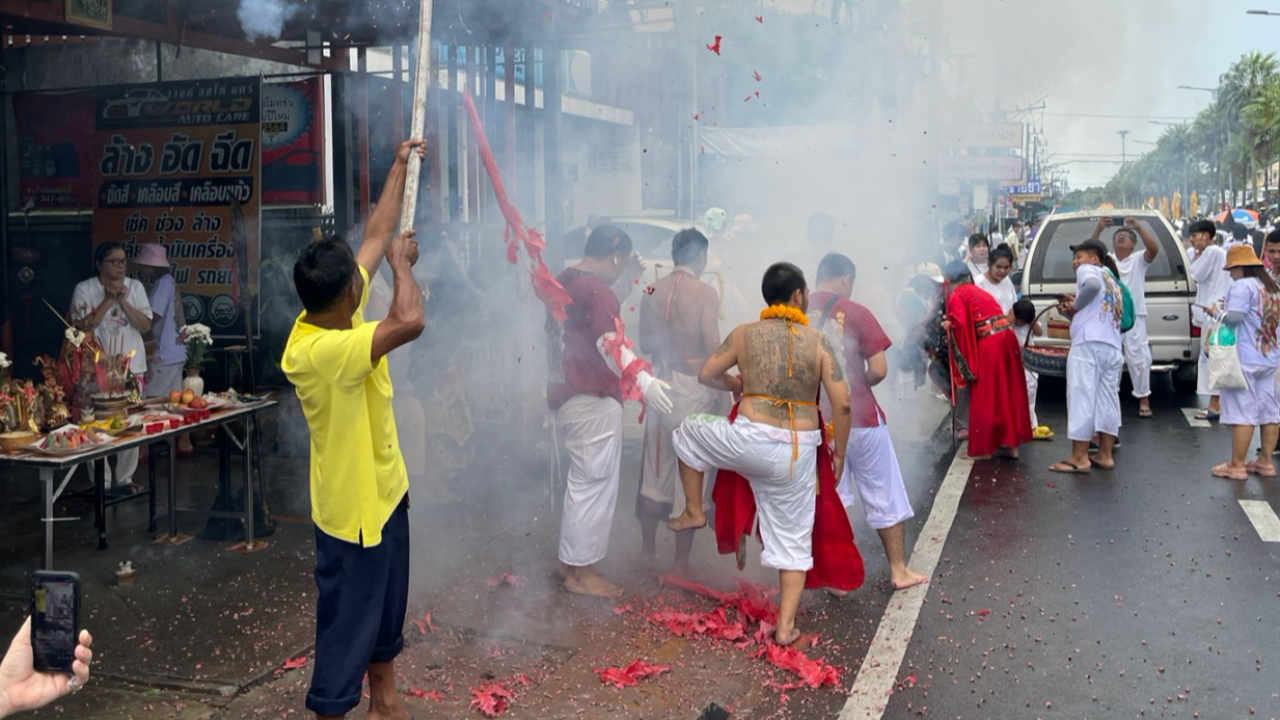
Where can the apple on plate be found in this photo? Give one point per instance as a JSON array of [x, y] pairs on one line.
[[187, 397], [175, 397]]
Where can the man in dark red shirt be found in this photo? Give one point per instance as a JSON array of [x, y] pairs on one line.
[[871, 463], [592, 370]]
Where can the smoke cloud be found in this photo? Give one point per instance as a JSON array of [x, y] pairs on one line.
[[264, 18]]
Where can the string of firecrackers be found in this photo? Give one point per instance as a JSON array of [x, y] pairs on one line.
[[545, 286], [629, 381]]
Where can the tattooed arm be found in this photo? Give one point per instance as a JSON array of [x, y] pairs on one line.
[[837, 390], [715, 372]]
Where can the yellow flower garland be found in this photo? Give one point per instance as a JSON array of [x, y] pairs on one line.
[[784, 312]]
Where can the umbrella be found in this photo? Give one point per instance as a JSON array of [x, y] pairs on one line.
[[1248, 218]]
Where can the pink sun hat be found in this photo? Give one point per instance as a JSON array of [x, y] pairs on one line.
[[152, 255]]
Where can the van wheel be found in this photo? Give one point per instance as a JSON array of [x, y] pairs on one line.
[[1184, 379]]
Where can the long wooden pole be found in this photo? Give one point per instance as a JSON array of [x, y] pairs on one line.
[[418, 126]]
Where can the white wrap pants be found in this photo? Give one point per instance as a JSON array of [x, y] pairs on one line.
[[1137, 355], [1093, 390], [871, 465], [592, 429]]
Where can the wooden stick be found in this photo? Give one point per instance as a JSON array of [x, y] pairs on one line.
[[55, 312], [418, 125]]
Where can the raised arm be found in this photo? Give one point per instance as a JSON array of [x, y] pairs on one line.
[[382, 223], [1148, 241], [837, 390], [406, 319]]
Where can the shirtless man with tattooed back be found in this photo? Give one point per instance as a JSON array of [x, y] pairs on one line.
[[774, 441]]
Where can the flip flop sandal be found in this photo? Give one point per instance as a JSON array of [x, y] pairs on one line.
[[1145, 414], [1256, 469], [1075, 469], [1222, 471], [1208, 415]]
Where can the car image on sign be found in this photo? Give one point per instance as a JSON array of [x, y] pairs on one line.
[[130, 104]]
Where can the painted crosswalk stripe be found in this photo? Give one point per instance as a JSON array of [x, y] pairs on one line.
[[1192, 420], [1264, 519], [879, 672]]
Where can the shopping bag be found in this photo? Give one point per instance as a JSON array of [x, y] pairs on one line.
[[1225, 372]]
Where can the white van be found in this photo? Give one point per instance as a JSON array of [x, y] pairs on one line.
[[1047, 273]]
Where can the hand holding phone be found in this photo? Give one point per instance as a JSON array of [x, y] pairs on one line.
[[55, 620]]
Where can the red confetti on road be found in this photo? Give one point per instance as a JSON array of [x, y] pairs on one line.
[[491, 699], [715, 46], [425, 694], [632, 674], [504, 580], [814, 673], [696, 588], [295, 663]]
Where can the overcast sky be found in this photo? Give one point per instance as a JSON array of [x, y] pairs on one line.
[[1104, 58]]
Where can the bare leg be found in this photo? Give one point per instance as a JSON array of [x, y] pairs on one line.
[[1270, 436], [650, 513], [693, 516], [1241, 437], [385, 702], [1104, 458], [585, 581], [894, 540], [1215, 404], [792, 586], [684, 545]]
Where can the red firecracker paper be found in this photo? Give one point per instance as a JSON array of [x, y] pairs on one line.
[[491, 699], [696, 588], [814, 673], [631, 674], [425, 694], [505, 579], [545, 286], [715, 46], [295, 663]]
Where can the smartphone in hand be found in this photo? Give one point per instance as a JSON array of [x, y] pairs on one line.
[[55, 620]]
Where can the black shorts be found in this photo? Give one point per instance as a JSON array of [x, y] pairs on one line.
[[360, 613]]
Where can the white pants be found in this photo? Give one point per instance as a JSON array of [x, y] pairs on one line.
[[592, 430], [1202, 368], [660, 471], [872, 466], [1137, 355], [786, 490], [1255, 405], [126, 466], [1093, 390], [1033, 385]]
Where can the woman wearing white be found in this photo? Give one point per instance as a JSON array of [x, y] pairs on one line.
[[1212, 283], [1253, 312], [115, 308]]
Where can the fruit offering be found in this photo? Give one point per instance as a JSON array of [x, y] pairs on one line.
[[72, 439], [188, 399]]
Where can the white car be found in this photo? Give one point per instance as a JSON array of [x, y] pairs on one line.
[[130, 104]]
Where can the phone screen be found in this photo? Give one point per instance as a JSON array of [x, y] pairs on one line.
[[55, 620]]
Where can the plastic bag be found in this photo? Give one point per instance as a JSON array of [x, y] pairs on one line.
[[1225, 372]]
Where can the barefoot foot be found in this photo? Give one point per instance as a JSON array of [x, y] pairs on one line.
[[786, 638], [592, 585], [687, 521], [908, 578]]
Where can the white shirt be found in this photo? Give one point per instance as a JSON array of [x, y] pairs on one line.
[[1212, 282], [977, 270], [1133, 273], [1003, 292], [115, 332], [1099, 321]]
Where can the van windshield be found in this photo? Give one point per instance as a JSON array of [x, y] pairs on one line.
[[1052, 263]]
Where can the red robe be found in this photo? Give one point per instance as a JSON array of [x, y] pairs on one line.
[[999, 414], [836, 561]]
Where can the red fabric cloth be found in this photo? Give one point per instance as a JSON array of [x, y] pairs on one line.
[[836, 560], [863, 339], [999, 414], [576, 365]]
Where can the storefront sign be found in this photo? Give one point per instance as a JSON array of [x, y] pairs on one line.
[[293, 143], [171, 160], [995, 135], [979, 167]]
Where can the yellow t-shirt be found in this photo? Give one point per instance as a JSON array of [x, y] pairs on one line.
[[358, 475]]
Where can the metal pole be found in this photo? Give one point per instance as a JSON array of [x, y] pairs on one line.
[[418, 123]]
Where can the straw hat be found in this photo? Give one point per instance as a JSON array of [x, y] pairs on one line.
[[1242, 256], [152, 255]]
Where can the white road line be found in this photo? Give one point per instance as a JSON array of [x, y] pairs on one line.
[[879, 672], [1192, 420], [1264, 519]]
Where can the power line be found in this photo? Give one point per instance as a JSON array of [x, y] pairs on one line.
[[1122, 117]]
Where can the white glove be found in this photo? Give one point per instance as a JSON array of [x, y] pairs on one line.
[[655, 393]]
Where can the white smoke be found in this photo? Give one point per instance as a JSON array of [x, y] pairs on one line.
[[264, 18]]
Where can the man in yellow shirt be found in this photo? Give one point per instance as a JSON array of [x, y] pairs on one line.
[[359, 486]]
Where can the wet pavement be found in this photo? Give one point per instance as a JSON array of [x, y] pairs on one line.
[[1137, 593]]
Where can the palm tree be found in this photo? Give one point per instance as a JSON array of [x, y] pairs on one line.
[[1238, 88], [1263, 116]]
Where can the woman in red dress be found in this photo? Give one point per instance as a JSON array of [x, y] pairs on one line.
[[987, 359]]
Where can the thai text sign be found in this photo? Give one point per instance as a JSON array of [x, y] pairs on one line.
[[172, 160]]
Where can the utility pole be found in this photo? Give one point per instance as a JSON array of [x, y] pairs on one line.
[[1124, 160]]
